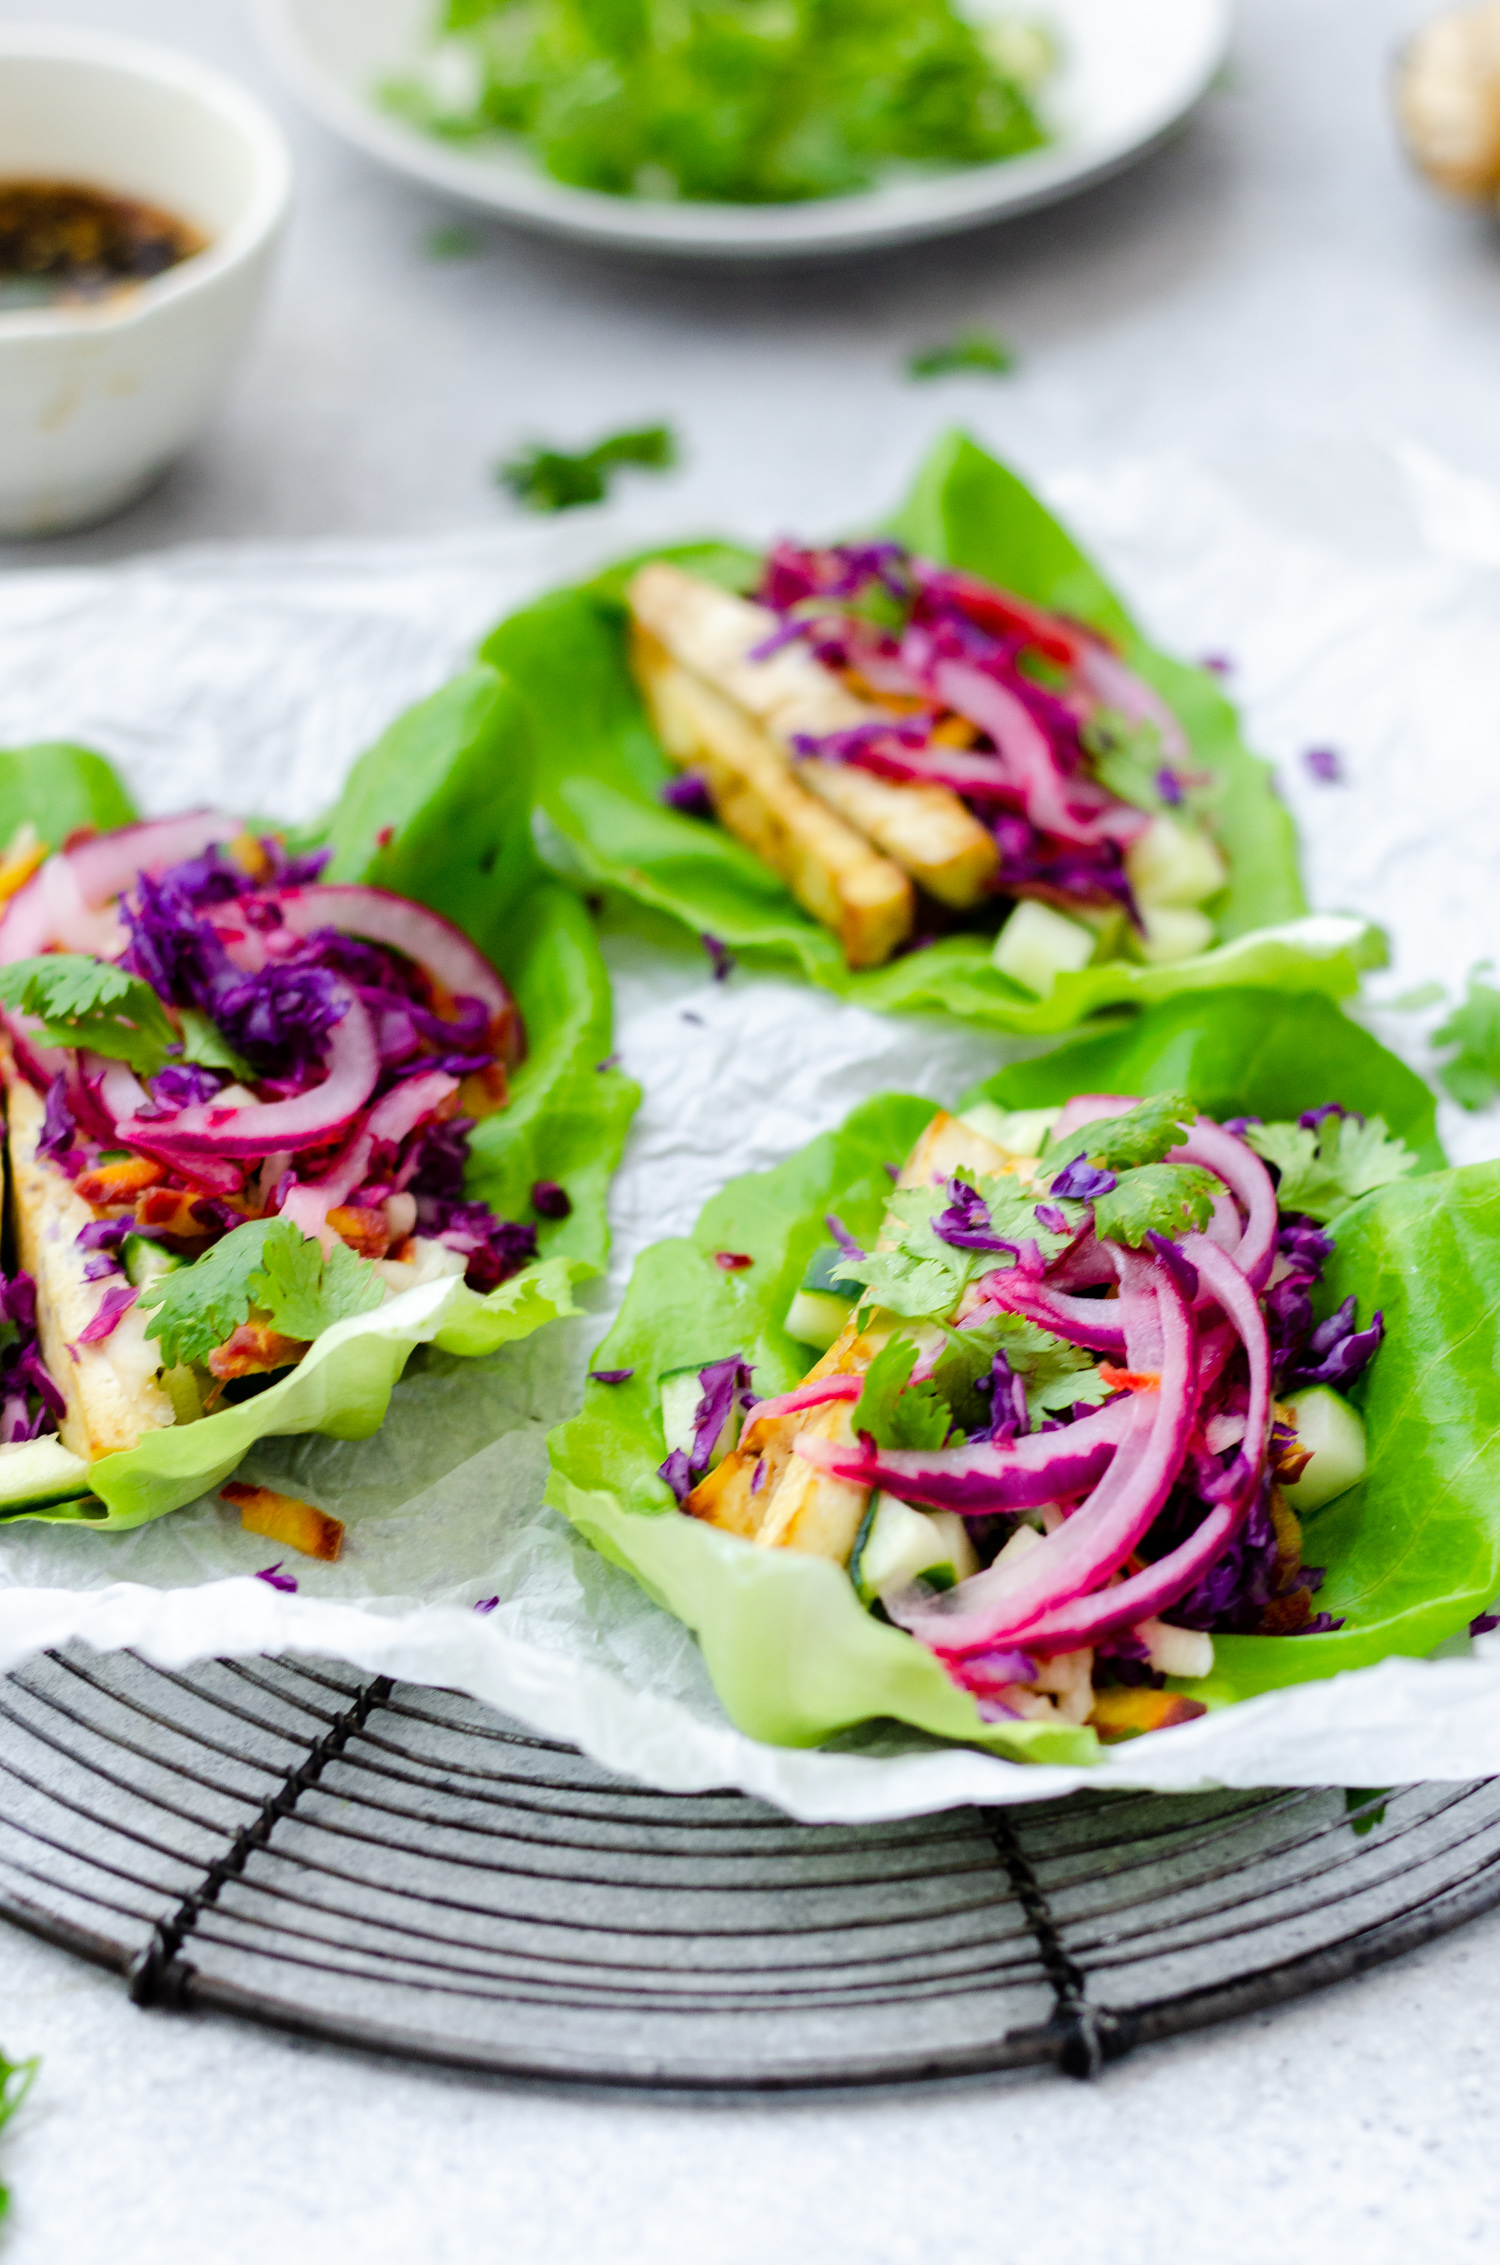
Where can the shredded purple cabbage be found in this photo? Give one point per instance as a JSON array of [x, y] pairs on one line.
[[58, 1126], [551, 1200], [611, 1375], [689, 794], [274, 1578], [1080, 1181]]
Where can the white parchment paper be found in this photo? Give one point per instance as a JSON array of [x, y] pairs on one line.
[[1356, 591]]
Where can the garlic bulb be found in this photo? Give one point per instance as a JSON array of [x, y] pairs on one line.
[[1448, 100]]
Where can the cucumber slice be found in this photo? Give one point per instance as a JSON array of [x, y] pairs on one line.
[[34, 1471], [681, 1393], [822, 1273], [897, 1546], [144, 1260], [1020, 1132], [1174, 864], [1172, 932], [1037, 945], [1335, 1436], [817, 1317]]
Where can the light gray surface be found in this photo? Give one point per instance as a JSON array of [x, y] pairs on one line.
[[1273, 279]]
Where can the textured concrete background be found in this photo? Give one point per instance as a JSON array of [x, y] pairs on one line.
[[1272, 288]]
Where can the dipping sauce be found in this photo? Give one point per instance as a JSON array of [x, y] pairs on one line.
[[62, 243]]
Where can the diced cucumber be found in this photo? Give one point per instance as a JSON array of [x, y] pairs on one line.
[[1037, 945], [1020, 1132], [681, 1393], [182, 1389], [824, 1302], [34, 1471], [1171, 932], [954, 1532], [822, 1273], [898, 1545], [817, 1317], [144, 1260], [1334, 1435], [1173, 864], [1176, 1651]]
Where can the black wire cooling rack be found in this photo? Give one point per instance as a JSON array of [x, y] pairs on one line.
[[401, 1869]]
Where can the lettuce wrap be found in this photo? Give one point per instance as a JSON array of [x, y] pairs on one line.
[[601, 771], [1411, 1553], [436, 813]]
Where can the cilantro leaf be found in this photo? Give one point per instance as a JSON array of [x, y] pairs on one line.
[[205, 1044], [977, 350], [267, 1264], [86, 1002], [1142, 1135], [1163, 1199], [921, 1275], [549, 479], [894, 1412], [306, 1293], [1055, 1374], [1323, 1172], [1472, 1077]]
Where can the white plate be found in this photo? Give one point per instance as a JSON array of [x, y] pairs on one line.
[[1133, 70]]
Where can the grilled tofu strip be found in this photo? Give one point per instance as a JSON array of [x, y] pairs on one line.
[[830, 869], [711, 634], [949, 1145], [113, 1389], [796, 1506]]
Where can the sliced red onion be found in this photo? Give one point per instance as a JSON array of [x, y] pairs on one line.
[[813, 1395], [1094, 1323], [1116, 686], [407, 1105], [996, 1606], [1089, 1109], [976, 1480], [434, 943], [1248, 1182], [307, 1120], [1238, 1303], [1144, 1595], [63, 903], [1021, 742]]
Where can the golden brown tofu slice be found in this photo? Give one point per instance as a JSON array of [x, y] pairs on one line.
[[711, 634], [948, 1146], [796, 1506], [864, 898], [113, 1390]]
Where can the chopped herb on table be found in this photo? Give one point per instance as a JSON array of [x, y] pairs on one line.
[[16, 2080], [455, 242], [1472, 1076], [548, 479], [977, 351]]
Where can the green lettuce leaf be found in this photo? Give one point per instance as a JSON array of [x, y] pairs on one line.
[[343, 1386], [60, 789], [439, 810], [1412, 1554], [599, 771]]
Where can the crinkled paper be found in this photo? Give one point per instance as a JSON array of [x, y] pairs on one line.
[[1358, 604]]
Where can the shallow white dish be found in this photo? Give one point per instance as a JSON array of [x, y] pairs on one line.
[[1133, 70]]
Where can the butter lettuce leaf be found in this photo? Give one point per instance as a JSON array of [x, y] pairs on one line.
[[1412, 1554], [602, 826]]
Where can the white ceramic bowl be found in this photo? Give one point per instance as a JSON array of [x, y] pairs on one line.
[[96, 400], [1132, 71]]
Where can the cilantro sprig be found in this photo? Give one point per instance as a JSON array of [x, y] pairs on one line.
[[1055, 1374], [1472, 1076], [550, 479], [920, 1276], [90, 1004], [1155, 1199], [1323, 1171], [895, 1412], [267, 1265], [1142, 1135]]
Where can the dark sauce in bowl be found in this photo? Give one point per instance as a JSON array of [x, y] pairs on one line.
[[64, 244]]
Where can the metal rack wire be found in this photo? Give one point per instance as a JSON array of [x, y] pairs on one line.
[[403, 1870]]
